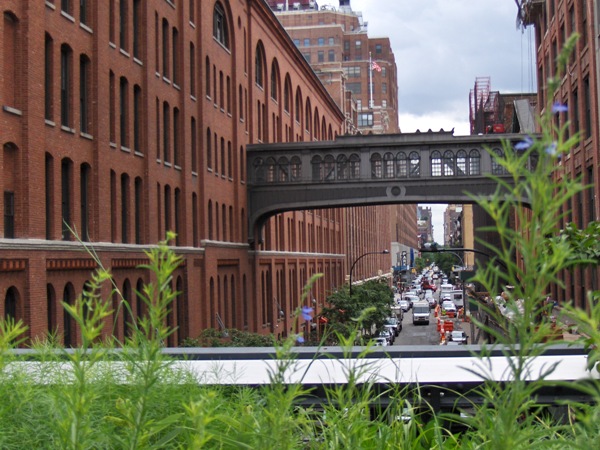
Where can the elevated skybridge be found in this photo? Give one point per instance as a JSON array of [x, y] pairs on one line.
[[360, 170]]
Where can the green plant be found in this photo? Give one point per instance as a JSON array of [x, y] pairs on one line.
[[370, 301]]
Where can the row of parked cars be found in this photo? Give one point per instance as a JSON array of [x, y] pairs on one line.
[[391, 329]]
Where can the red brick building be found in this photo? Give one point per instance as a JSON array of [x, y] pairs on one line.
[[554, 21], [360, 74], [125, 119]]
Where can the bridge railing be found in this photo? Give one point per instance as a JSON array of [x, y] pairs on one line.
[[352, 159]]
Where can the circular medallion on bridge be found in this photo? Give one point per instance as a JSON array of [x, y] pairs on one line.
[[396, 191]]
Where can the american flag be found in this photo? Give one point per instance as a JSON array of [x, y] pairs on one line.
[[375, 66]]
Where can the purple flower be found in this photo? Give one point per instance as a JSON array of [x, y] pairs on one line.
[[551, 149], [524, 144], [306, 312], [300, 339], [559, 107]]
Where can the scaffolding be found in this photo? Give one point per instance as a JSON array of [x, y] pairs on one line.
[[485, 108]]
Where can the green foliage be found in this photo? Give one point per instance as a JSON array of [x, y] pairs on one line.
[[584, 243], [142, 400], [366, 309]]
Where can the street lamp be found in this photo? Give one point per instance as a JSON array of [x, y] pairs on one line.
[[382, 252]]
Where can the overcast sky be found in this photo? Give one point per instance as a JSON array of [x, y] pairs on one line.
[[441, 47]]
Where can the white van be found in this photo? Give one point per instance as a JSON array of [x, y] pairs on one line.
[[458, 299], [420, 312], [446, 290]]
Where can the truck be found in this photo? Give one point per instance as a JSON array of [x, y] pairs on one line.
[[446, 289], [420, 312], [458, 299]]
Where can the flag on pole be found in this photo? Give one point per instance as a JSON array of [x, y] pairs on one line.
[[375, 66]]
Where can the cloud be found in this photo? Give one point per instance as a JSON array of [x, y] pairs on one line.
[[441, 47]]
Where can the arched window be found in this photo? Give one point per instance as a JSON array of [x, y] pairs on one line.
[[329, 168], [208, 149], [274, 81], [497, 168], [343, 168], [181, 311], [260, 173], [401, 165], [48, 77], [212, 304], [10, 303], [170, 320], [388, 165], [66, 86], [316, 168], [259, 65], [474, 162], [414, 165], [271, 168], [461, 163], [210, 220], [85, 80], [69, 331], [283, 169], [85, 198], [295, 168], [298, 106], [10, 182], [307, 116], [140, 305], [449, 164], [376, 166], [127, 310], [66, 197], [51, 309], [207, 77], [354, 166], [287, 94], [436, 164], [220, 28], [11, 59]]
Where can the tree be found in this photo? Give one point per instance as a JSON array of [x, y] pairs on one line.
[[584, 244], [366, 309]]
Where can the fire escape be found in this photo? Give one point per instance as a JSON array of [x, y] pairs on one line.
[[485, 108]]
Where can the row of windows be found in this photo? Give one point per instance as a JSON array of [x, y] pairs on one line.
[[67, 7], [399, 165], [306, 42], [168, 43], [222, 223], [224, 302], [66, 87], [355, 71], [125, 317], [317, 130], [320, 56], [127, 213]]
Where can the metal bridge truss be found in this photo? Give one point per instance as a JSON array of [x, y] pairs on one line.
[[371, 170]]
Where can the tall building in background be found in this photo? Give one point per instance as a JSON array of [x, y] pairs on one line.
[[360, 74], [424, 225], [554, 21], [335, 41], [452, 226], [492, 112], [125, 119]]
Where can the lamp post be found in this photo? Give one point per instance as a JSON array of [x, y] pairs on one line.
[[382, 252]]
